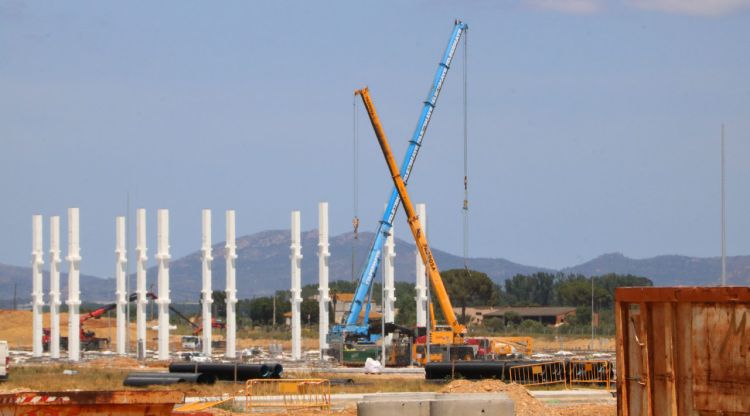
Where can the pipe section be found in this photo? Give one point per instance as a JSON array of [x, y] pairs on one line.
[[143, 379], [296, 299], [140, 282], [120, 276], [162, 257], [229, 371], [74, 293], [37, 294], [206, 274], [231, 298], [54, 287], [421, 286], [323, 255], [471, 370]]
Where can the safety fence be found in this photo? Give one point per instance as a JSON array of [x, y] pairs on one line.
[[590, 371], [575, 371], [288, 394], [552, 372]]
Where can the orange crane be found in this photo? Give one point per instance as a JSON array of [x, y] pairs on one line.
[[454, 337]]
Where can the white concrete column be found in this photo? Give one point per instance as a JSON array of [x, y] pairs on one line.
[[296, 299], [162, 257], [421, 286], [120, 276], [54, 287], [206, 274], [323, 255], [140, 281], [389, 289], [230, 254], [37, 294], [74, 293]]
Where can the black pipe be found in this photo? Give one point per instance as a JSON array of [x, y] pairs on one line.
[[141, 379], [276, 370], [227, 371], [471, 370]]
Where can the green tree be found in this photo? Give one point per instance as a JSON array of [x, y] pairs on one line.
[[405, 304], [467, 288], [309, 311], [494, 324], [576, 291], [220, 302]]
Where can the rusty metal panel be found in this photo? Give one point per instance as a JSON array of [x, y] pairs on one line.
[[90, 403], [683, 351], [721, 362]]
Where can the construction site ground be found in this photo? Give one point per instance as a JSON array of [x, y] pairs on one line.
[[16, 330], [108, 373]]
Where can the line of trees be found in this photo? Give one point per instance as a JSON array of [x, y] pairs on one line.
[[466, 288]]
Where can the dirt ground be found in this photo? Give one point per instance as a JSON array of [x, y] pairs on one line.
[[108, 373], [16, 326], [526, 404]]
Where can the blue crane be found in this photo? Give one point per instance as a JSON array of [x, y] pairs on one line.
[[364, 284]]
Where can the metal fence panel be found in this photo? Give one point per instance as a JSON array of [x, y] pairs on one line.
[[590, 371], [552, 372], [288, 394]]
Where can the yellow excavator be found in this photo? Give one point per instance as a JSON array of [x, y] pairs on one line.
[[445, 344]]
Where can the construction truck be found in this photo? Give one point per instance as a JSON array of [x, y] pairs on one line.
[[501, 347], [442, 343], [352, 337], [4, 360], [89, 340], [449, 341]]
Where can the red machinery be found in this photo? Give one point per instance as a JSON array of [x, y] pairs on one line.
[[89, 340]]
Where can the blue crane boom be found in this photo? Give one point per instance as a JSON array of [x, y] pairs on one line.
[[384, 228]]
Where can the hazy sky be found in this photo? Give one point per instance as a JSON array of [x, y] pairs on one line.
[[594, 125]]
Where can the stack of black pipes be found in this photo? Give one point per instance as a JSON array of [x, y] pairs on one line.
[[229, 371]]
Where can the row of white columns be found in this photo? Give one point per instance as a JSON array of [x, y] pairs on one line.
[[163, 300], [122, 297], [37, 294]]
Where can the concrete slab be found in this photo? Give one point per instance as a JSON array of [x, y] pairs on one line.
[[392, 408], [436, 404], [419, 396], [500, 406]]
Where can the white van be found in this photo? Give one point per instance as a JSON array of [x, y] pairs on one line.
[[4, 360]]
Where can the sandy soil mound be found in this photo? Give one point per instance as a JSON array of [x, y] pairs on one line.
[[526, 404]]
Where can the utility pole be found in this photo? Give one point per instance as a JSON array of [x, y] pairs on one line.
[[127, 274], [592, 312], [723, 217]]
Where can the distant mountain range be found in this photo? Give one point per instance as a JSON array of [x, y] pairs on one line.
[[263, 267]]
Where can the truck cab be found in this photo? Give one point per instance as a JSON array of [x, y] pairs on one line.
[[4, 360], [191, 342]]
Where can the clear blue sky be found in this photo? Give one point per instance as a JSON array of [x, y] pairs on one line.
[[594, 125]]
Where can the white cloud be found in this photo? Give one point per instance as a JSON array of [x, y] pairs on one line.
[[567, 6], [693, 7]]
